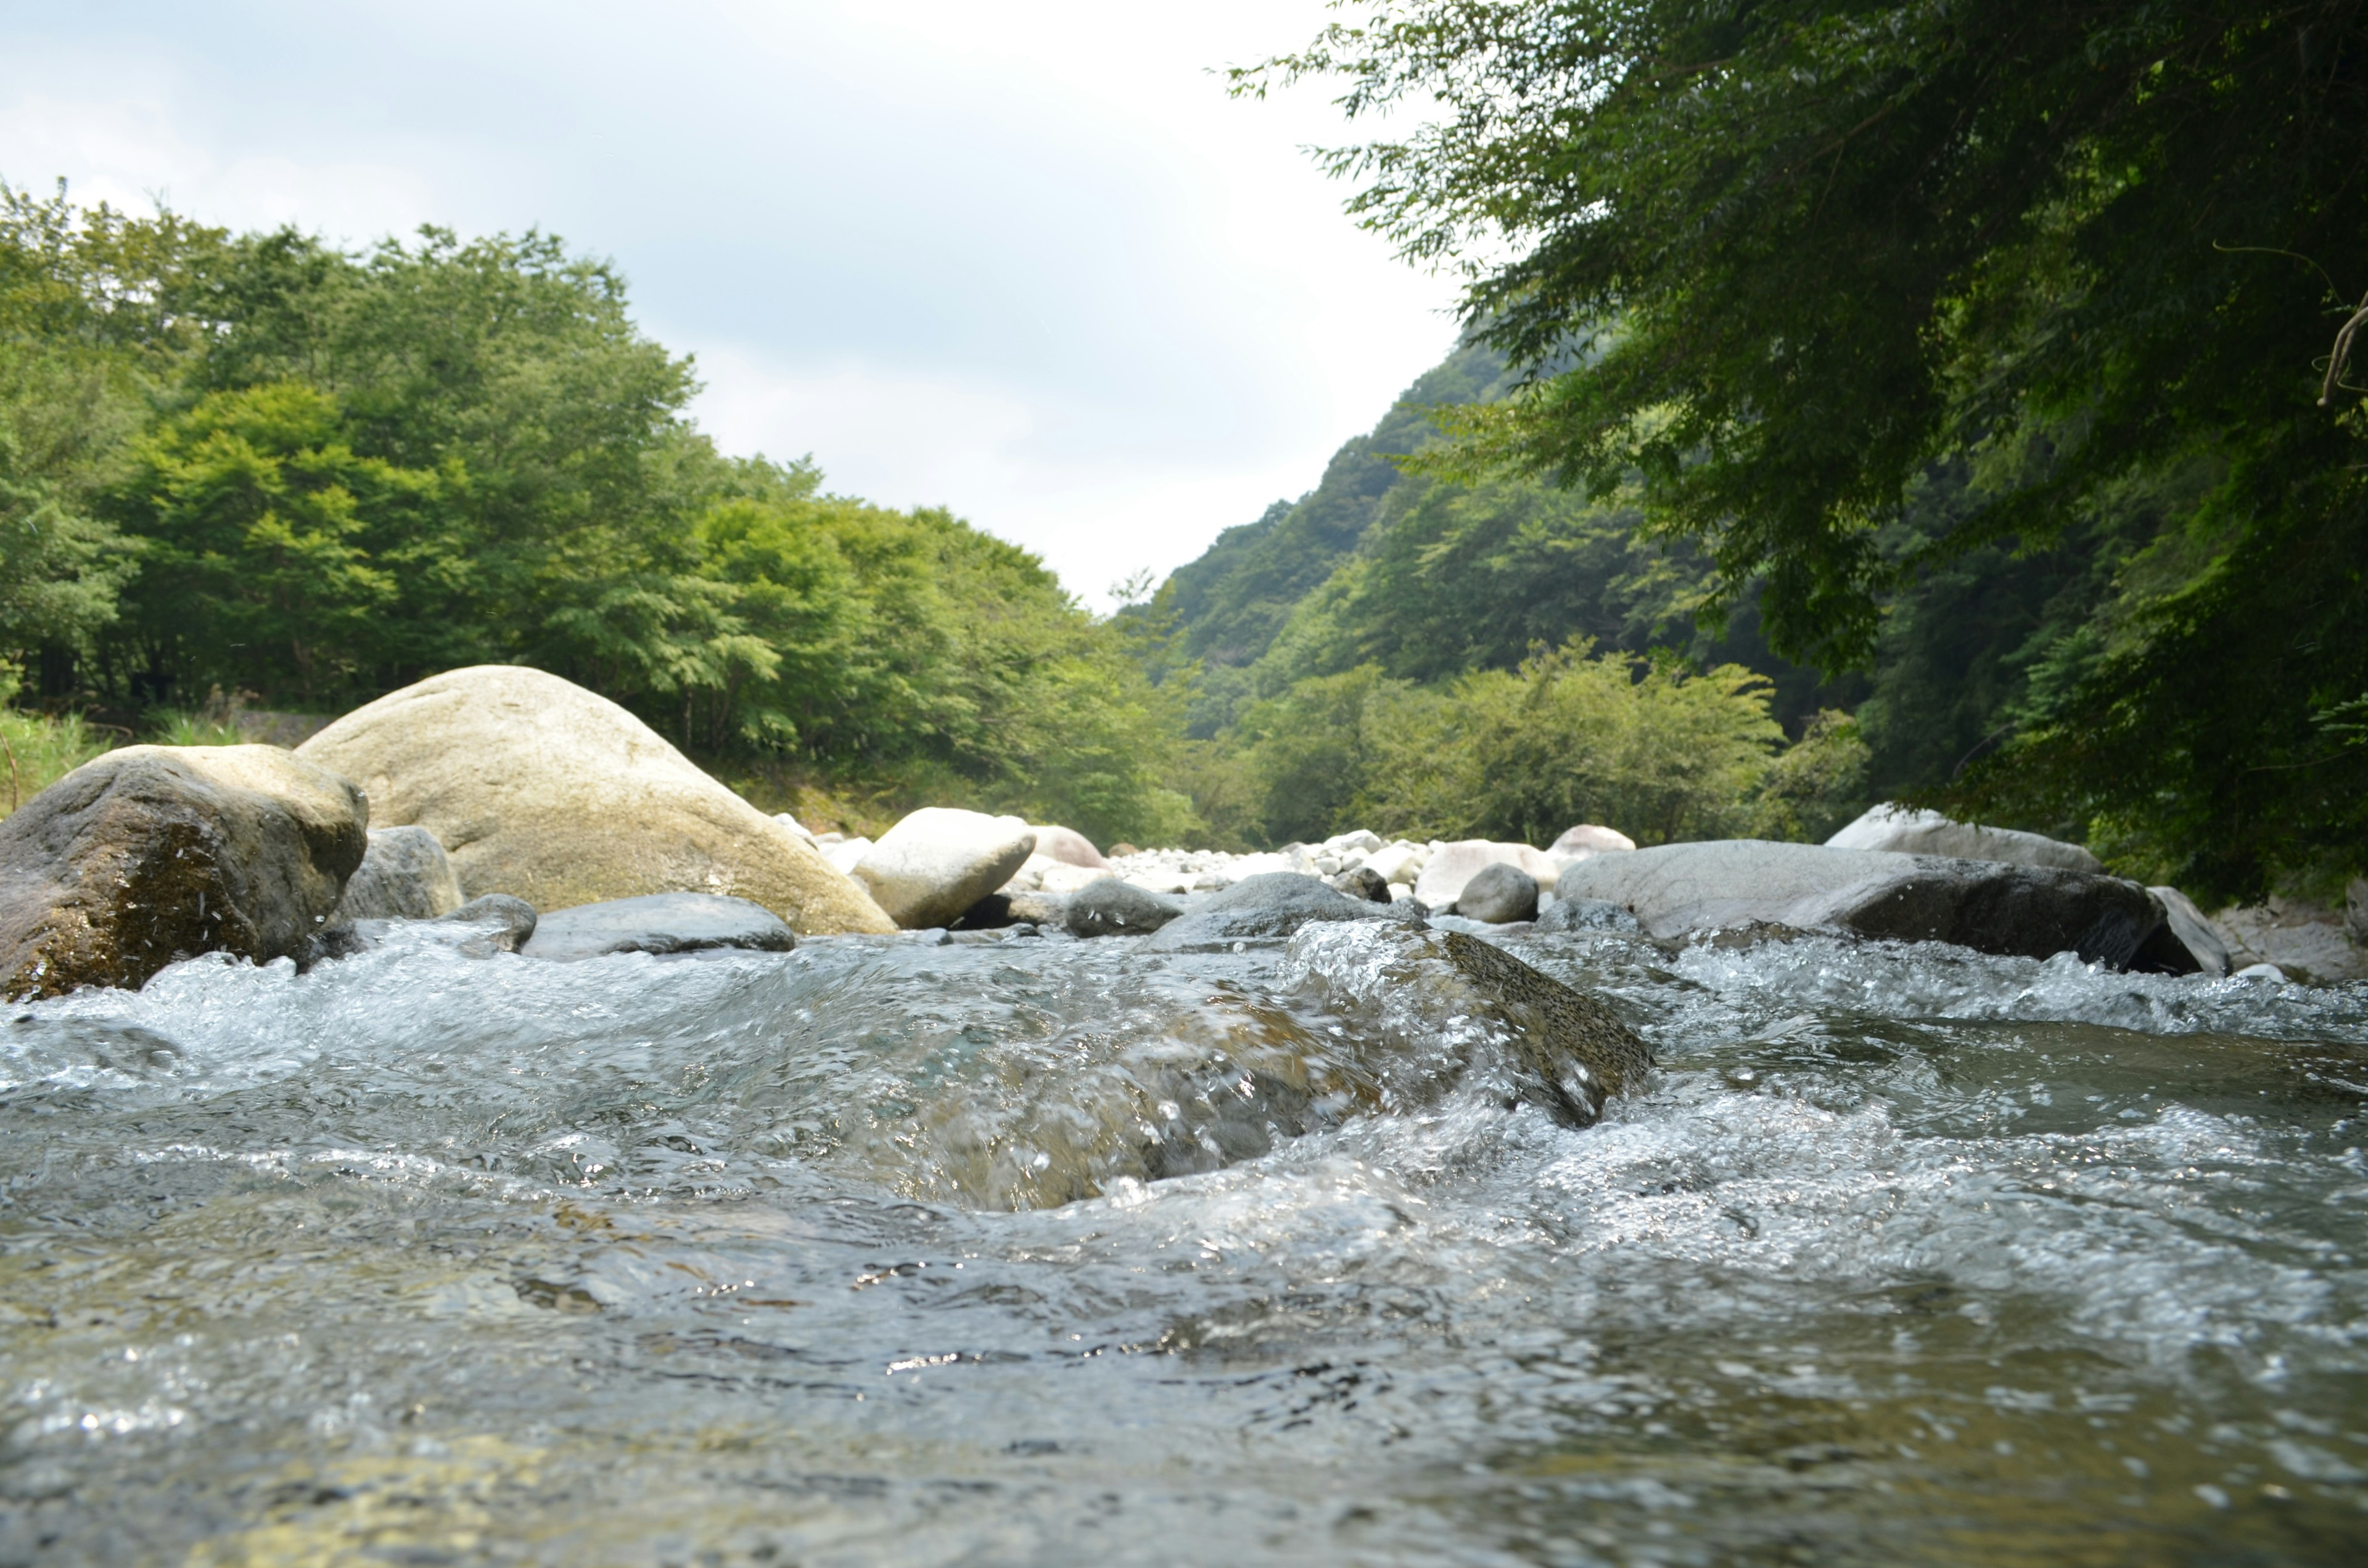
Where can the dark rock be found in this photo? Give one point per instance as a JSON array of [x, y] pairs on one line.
[[1588, 914], [1555, 1047], [997, 910], [154, 853], [1109, 907], [658, 923], [1499, 894], [1362, 883], [1269, 906], [512, 922], [405, 875], [1989, 906]]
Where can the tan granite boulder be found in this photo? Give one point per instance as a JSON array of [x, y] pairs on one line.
[[540, 788]]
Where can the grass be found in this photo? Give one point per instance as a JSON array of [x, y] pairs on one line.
[[36, 751]]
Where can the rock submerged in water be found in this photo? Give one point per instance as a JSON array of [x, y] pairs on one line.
[[540, 788], [1262, 908], [933, 866], [510, 923], [405, 875], [658, 923], [1499, 894], [1555, 1046], [1111, 907], [1987, 905], [151, 853]]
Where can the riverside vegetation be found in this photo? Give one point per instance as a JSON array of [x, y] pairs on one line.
[[2004, 465]]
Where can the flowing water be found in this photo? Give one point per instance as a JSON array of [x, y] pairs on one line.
[[1024, 1250]]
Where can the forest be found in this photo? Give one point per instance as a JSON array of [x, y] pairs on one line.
[[1955, 410]]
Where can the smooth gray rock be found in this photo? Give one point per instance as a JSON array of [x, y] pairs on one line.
[[658, 923], [1499, 894], [1111, 907], [1992, 907], [1898, 830], [405, 875], [1265, 907], [1588, 914], [151, 853], [1362, 881], [930, 869], [2206, 942], [512, 920]]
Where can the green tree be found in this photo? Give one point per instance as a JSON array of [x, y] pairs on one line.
[[1775, 261]]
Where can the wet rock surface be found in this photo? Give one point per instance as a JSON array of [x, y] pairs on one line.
[[508, 922], [1576, 914], [657, 923], [152, 853], [405, 875], [1989, 906], [1109, 907], [1265, 907]]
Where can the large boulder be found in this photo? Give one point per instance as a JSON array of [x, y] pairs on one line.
[[2031, 911], [2206, 942], [1112, 907], [1267, 906], [154, 853], [658, 923], [931, 867], [1067, 846], [540, 788], [1499, 894], [1899, 830], [1588, 838], [405, 875], [1547, 1043], [1452, 865]]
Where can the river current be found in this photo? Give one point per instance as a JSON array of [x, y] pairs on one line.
[[1024, 1250]]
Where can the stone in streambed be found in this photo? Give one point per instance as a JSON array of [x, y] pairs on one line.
[[1588, 914], [154, 853], [540, 788], [509, 922], [405, 875], [1111, 907], [1362, 882], [1899, 830], [2206, 942], [1452, 865], [1499, 894], [1262, 908], [997, 910], [930, 869], [1990, 906], [1554, 1046], [658, 923], [1067, 846]]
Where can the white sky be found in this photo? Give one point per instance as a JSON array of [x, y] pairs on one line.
[[1025, 260]]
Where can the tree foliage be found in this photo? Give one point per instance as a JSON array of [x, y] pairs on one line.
[[1773, 263], [261, 463]]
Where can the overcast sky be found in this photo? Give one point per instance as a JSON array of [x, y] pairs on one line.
[[1022, 259]]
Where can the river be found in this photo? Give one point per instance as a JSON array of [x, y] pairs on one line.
[[1034, 1251]]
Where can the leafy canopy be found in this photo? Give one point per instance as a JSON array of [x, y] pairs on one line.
[[1773, 261]]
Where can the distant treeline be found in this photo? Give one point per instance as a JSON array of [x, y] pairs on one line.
[[259, 464]]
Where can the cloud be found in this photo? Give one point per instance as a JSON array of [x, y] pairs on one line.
[[1026, 259]]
